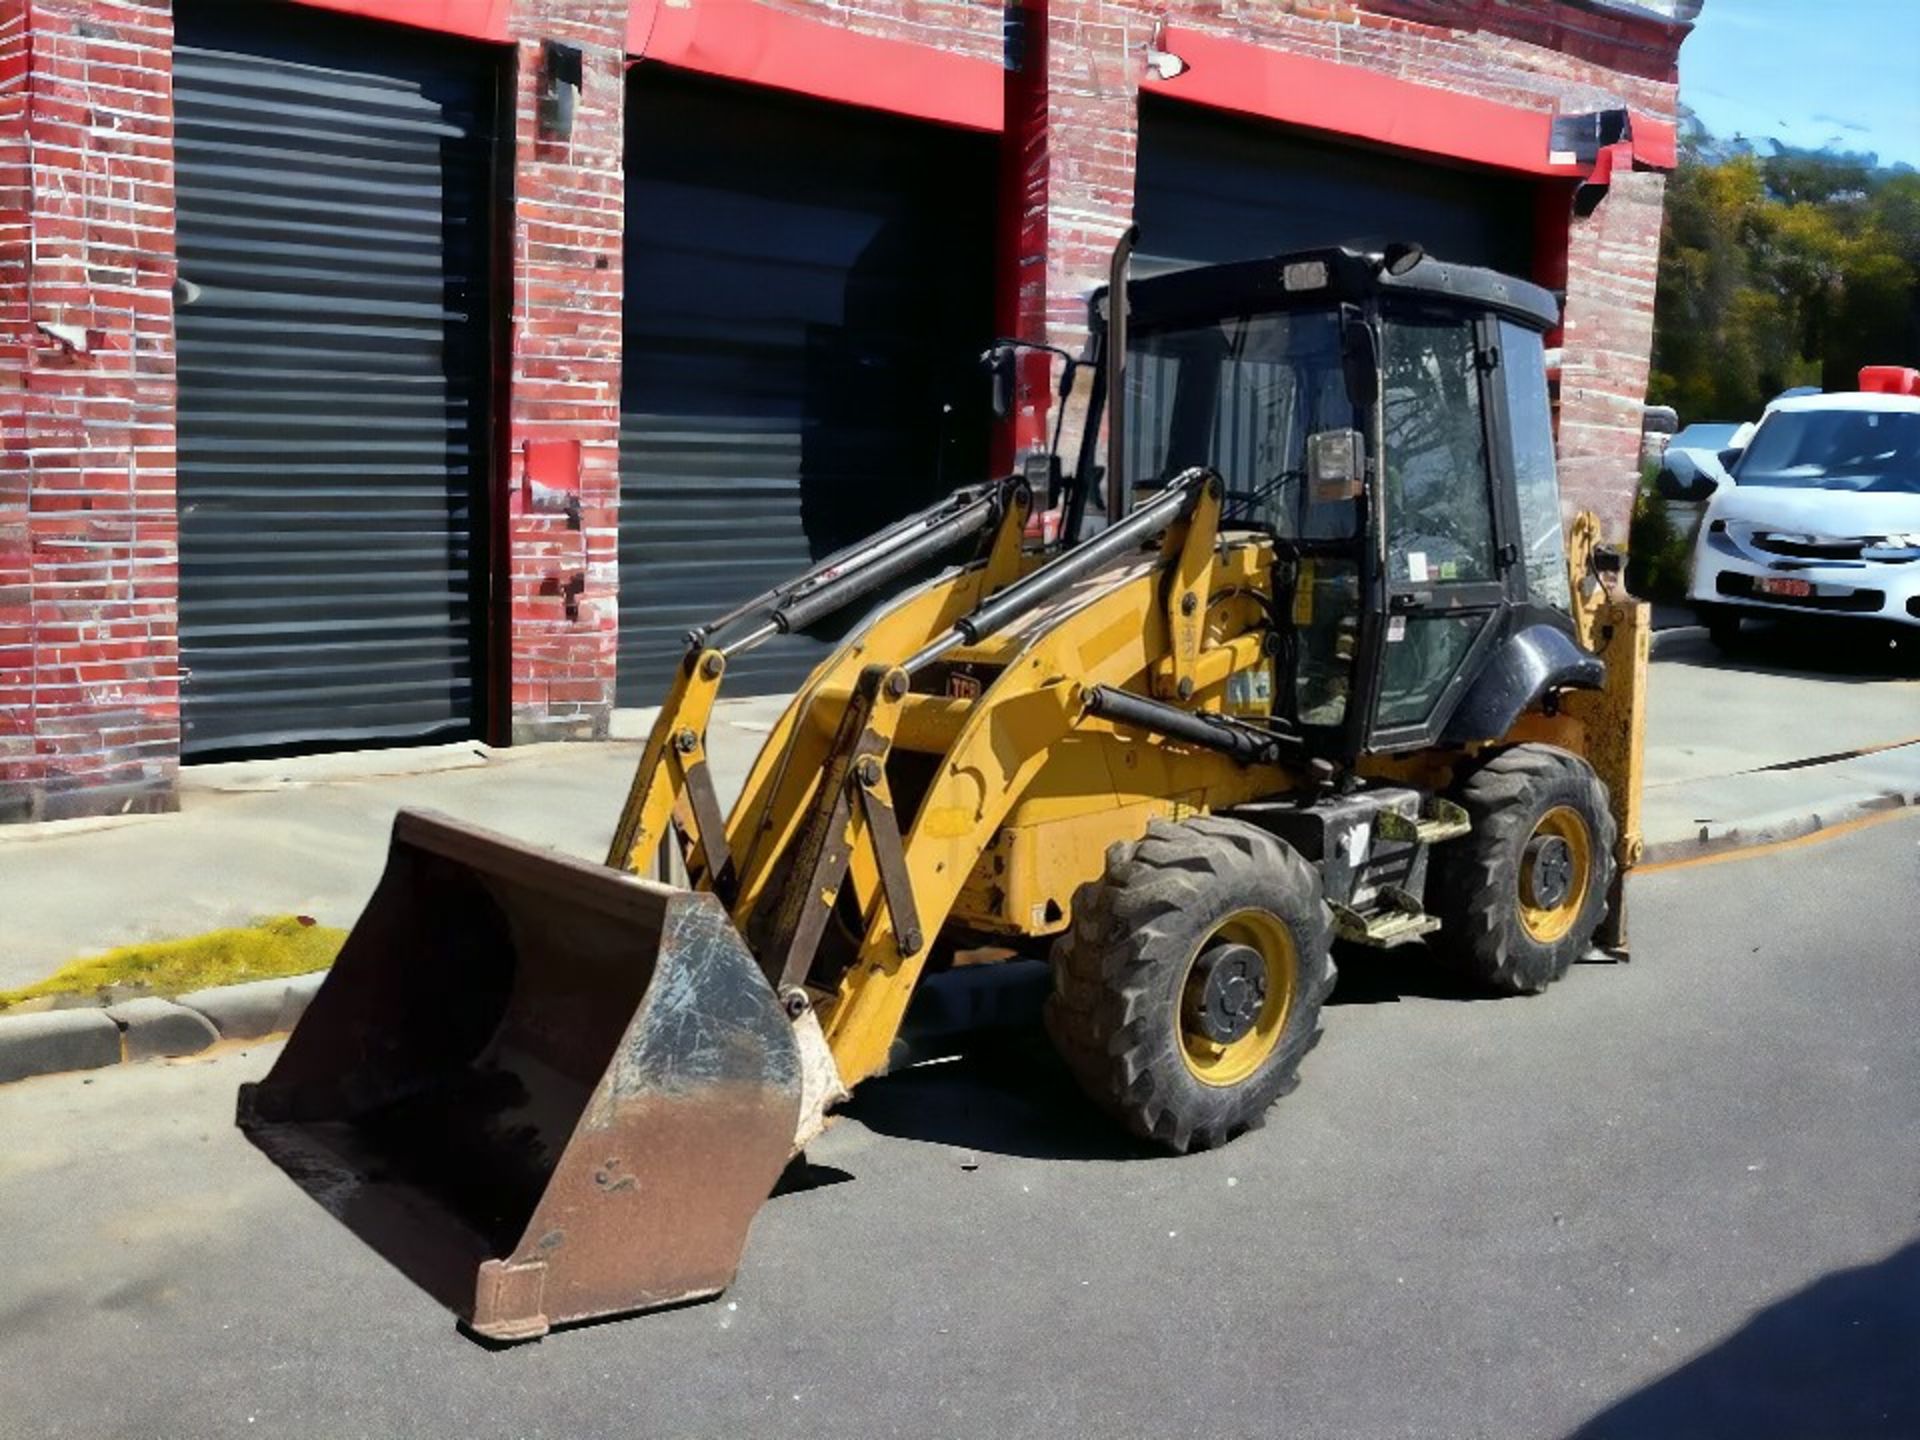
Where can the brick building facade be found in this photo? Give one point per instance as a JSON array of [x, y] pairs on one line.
[[94, 463]]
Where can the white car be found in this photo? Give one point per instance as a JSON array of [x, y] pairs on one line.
[[1820, 514]]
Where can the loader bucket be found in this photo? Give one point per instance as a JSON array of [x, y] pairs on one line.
[[543, 1089]]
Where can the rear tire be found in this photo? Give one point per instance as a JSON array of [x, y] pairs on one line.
[[1521, 896], [1188, 988]]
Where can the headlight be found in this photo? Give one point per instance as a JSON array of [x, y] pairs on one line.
[[1893, 544]]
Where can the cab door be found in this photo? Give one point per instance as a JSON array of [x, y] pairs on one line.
[[1446, 557]]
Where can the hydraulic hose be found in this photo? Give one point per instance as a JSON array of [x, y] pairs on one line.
[[1073, 565]]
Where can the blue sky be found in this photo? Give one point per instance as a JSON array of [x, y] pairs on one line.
[[1809, 72]]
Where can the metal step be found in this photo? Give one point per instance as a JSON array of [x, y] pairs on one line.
[[1446, 821], [1382, 929]]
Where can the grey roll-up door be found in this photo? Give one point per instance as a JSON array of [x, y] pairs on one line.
[[1213, 186], [334, 197], [808, 287]]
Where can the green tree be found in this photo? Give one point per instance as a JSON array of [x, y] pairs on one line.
[[1791, 269]]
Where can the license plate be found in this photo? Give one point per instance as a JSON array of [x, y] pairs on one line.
[[1774, 585]]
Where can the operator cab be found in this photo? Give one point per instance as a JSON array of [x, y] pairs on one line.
[[1386, 422]]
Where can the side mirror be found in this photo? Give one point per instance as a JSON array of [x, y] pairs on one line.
[[1336, 466], [1681, 478], [999, 365], [1676, 477]]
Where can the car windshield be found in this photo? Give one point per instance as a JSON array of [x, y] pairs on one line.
[[1242, 395], [1863, 450], [1715, 436]]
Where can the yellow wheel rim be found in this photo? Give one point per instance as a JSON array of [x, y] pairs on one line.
[[1556, 871], [1228, 1062]]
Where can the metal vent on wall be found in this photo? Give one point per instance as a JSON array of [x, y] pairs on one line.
[[333, 188]]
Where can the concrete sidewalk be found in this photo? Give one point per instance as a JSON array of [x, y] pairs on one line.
[[1793, 733], [1729, 744], [308, 836]]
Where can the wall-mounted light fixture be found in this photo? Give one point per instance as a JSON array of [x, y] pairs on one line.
[[559, 89], [1162, 63]]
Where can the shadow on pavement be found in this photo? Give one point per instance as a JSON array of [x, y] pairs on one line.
[[1839, 1358], [1007, 1095], [1849, 654], [1386, 977], [1005, 1091]]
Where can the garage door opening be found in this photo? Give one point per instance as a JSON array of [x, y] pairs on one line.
[[334, 189], [808, 289], [1214, 186]]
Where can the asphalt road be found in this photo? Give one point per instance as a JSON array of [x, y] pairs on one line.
[[1674, 1198]]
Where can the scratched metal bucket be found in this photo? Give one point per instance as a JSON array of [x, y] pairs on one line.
[[546, 1090]]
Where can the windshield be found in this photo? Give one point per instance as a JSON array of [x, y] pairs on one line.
[[1243, 395], [1715, 437], [1861, 450]]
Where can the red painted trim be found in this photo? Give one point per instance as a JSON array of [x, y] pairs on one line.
[[1656, 144], [743, 40], [1349, 100], [477, 19]]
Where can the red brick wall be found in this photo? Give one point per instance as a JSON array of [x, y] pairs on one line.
[[561, 572], [89, 690], [1094, 61], [1611, 265], [966, 27]]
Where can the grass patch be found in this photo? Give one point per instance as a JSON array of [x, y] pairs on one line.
[[280, 946]]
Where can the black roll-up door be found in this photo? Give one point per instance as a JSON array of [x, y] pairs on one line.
[[1214, 186], [333, 187], [808, 288]]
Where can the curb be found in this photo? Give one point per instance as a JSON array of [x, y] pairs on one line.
[[1781, 828], [1676, 635], [89, 1037]]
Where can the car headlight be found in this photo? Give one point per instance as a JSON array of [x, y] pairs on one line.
[[1893, 544]]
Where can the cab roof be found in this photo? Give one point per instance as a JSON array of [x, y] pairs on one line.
[[1292, 280]]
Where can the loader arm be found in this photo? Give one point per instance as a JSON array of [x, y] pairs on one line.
[[672, 781], [818, 814], [672, 784]]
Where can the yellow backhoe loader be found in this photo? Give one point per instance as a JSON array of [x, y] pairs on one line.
[[1311, 659]]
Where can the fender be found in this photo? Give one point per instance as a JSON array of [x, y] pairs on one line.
[[1523, 668]]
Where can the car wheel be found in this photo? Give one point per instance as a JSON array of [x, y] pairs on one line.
[[1723, 626]]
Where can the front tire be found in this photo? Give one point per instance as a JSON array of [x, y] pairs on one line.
[[1723, 626], [1521, 895], [1188, 988]]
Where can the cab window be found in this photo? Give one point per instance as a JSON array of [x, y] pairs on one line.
[[1543, 543], [1242, 395], [1439, 515]]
